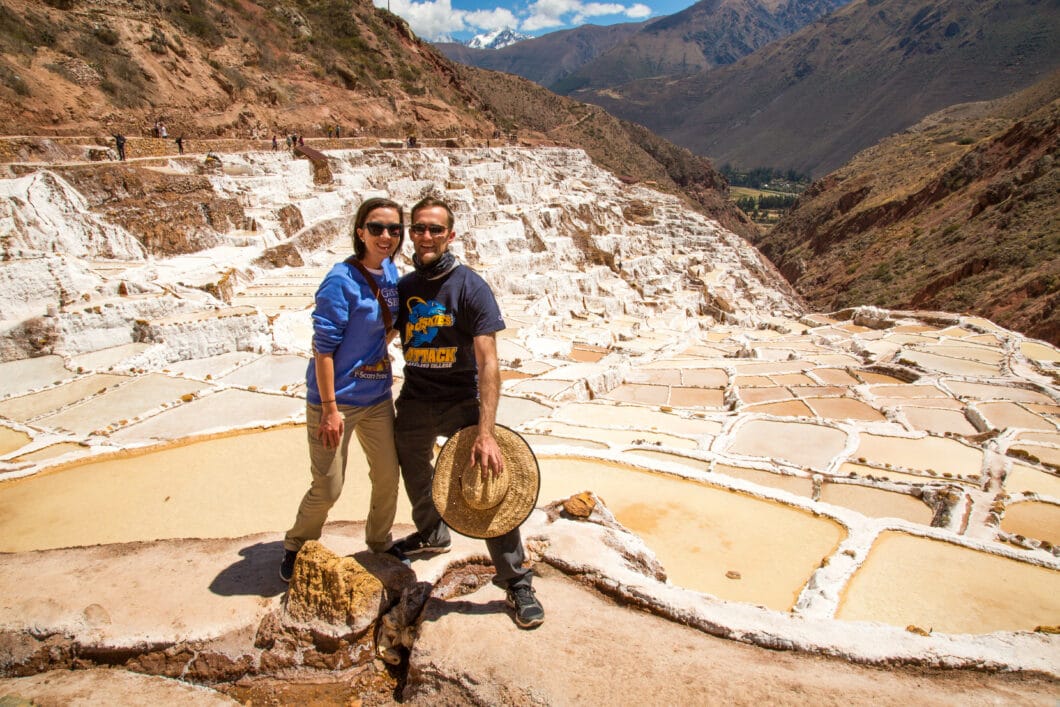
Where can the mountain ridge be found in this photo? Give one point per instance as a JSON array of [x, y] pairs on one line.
[[811, 100]]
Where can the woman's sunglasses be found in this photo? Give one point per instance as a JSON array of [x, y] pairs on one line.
[[376, 229]]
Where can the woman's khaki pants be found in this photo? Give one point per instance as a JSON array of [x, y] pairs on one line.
[[375, 431]]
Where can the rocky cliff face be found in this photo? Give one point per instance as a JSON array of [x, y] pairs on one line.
[[958, 213], [169, 247]]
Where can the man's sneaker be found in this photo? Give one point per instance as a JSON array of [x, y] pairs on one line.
[[528, 610], [287, 565], [395, 551], [413, 545]]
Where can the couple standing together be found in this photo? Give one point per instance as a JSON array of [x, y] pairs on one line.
[[447, 318]]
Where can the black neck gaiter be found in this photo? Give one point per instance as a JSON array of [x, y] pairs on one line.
[[438, 268]]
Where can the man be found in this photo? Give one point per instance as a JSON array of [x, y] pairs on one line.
[[448, 319], [119, 142]]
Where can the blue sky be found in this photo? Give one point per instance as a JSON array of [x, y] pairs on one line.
[[438, 20]]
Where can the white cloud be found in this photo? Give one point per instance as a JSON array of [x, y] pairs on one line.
[[545, 14], [492, 20], [638, 11], [437, 20], [433, 21]]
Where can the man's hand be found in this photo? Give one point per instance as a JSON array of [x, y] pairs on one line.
[[487, 454], [331, 427]]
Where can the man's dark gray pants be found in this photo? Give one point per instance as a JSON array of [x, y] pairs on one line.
[[418, 424]]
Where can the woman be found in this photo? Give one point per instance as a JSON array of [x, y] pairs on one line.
[[349, 381]]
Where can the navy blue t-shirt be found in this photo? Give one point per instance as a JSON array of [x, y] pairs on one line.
[[438, 321]]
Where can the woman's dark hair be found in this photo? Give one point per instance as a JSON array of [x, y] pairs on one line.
[[368, 207]]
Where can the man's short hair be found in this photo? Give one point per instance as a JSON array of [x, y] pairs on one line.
[[429, 202]]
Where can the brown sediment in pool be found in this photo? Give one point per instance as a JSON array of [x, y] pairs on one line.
[[1046, 455], [225, 486], [908, 580], [701, 532], [852, 469], [1033, 519]]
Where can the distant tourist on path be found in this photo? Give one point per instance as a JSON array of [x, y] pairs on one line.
[[448, 319], [119, 142], [349, 382], [275, 144], [180, 144], [162, 133]]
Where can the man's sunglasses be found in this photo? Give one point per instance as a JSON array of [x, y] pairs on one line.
[[376, 229], [420, 228]]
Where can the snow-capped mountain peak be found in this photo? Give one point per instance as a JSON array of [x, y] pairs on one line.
[[496, 40]]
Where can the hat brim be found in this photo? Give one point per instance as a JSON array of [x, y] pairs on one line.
[[517, 504]]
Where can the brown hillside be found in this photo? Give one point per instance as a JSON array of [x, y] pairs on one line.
[[630, 151], [959, 213]]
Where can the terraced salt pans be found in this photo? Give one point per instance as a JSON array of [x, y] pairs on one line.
[[831, 430], [738, 481]]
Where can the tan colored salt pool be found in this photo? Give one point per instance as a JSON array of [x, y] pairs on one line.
[[934, 585], [224, 487], [877, 503], [27, 407], [702, 533], [935, 453], [1024, 478], [52, 451], [11, 439], [122, 403], [618, 437], [802, 444], [1033, 519]]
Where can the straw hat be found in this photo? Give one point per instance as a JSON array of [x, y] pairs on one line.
[[485, 509]]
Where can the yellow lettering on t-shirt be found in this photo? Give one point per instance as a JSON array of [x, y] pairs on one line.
[[425, 356]]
